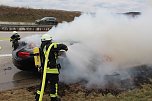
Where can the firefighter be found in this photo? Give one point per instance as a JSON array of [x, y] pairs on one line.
[[14, 38], [52, 69]]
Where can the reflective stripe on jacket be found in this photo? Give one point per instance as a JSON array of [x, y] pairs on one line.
[[46, 53]]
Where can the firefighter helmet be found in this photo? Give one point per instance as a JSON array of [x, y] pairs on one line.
[[14, 32], [46, 37]]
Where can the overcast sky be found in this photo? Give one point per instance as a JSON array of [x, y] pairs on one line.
[[81, 5]]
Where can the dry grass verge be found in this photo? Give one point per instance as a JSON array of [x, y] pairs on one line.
[[17, 14]]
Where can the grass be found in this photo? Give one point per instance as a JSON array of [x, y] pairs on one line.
[[142, 94], [17, 14], [27, 94]]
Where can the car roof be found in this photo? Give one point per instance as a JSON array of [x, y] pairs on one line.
[[49, 17]]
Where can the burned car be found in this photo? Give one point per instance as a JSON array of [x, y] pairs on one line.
[[22, 53]]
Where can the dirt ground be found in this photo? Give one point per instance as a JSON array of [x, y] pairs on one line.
[[76, 92], [71, 92], [67, 93], [25, 95]]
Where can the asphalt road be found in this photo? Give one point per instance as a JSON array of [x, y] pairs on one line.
[[10, 76]]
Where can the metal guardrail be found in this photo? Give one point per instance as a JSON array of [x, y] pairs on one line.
[[19, 27]]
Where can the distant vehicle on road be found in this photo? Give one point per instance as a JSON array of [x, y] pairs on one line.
[[47, 21], [132, 14]]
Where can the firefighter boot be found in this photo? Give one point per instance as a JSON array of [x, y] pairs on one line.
[[55, 99], [37, 97]]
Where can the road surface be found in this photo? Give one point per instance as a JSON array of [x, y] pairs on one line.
[[10, 76]]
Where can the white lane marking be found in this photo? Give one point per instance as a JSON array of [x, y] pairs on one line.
[[5, 55], [0, 47]]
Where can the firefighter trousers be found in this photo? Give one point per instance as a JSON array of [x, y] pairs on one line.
[[52, 83]]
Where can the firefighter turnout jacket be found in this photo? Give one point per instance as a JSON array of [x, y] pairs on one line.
[[49, 53], [53, 54]]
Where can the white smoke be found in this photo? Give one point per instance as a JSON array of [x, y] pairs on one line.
[[104, 43], [33, 39], [149, 2]]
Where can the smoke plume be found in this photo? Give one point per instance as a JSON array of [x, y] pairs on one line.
[[104, 43], [101, 44]]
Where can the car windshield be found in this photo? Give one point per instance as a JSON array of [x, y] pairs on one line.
[[50, 18]]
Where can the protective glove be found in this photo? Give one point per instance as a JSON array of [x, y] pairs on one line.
[[66, 49], [11, 40]]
